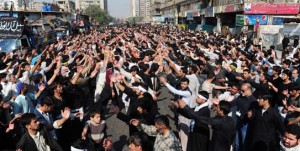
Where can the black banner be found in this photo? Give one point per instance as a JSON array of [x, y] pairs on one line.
[[10, 27]]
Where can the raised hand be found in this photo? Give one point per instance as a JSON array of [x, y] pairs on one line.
[[66, 113], [114, 109], [42, 87], [174, 104], [181, 103], [135, 122]]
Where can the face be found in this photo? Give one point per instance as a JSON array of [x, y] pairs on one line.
[[290, 140], [261, 102], [59, 89], [294, 73], [284, 76], [218, 111], [180, 73], [159, 128], [199, 100], [218, 66], [96, 118], [13, 78], [48, 108], [244, 90], [34, 125], [133, 73], [246, 75], [234, 90], [262, 78], [184, 85]]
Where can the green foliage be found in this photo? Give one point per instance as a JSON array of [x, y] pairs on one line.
[[135, 19], [98, 14]]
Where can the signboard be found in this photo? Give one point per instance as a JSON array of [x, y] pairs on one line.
[[277, 21], [209, 12], [11, 27], [229, 8], [189, 16], [271, 8], [196, 14], [159, 18], [239, 20], [218, 9], [254, 19], [15, 14]]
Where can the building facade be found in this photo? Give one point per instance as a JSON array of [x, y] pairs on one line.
[[83, 4], [233, 14], [140, 8]]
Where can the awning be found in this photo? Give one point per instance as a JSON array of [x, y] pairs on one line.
[[169, 15]]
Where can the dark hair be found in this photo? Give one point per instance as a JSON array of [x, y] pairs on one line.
[[277, 69], [143, 85], [47, 101], [53, 86], [94, 112], [184, 70], [225, 107], [184, 79], [162, 120], [134, 68], [204, 94], [287, 62], [287, 72], [141, 139], [293, 129], [246, 70], [37, 78], [26, 118], [265, 97]]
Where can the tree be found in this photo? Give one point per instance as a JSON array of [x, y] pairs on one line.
[[98, 14]]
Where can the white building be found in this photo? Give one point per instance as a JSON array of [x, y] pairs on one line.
[[83, 4], [140, 8]]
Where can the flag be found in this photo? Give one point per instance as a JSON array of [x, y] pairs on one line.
[[11, 10]]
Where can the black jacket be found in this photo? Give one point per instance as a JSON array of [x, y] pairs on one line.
[[223, 130], [26, 142], [264, 129]]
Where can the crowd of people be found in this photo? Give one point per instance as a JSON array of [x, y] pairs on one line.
[[229, 94]]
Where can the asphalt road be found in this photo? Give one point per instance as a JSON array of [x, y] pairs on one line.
[[118, 131]]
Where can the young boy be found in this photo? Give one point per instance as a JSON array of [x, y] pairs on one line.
[[96, 128]]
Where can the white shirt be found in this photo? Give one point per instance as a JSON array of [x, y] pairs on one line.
[[40, 142], [186, 95]]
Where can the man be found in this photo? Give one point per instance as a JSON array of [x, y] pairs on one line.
[[262, 87], [37, 137], [199, 132], [292, 98], [185, 94], [23, 102], [43, 113], [165, 138], [295, 77], [222, 125], [243, 103], [291, 138], [264, 125], [10, 89]]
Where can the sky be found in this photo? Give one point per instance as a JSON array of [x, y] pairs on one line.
[[119, 8]]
